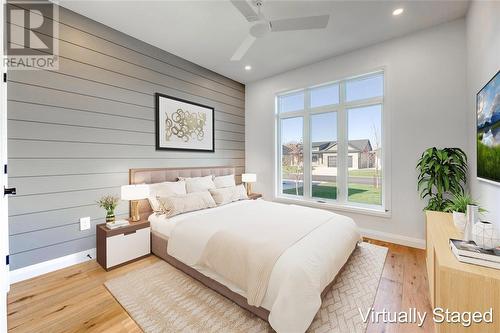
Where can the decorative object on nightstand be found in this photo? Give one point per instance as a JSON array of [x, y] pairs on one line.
[[119, 246], [134, 193], [485, 235], [472, 216], [254, 196], [248, 179], [109, 203]]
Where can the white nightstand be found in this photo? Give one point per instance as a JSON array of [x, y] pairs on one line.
[[116, 247]]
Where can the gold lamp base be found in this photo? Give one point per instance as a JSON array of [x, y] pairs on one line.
[[134, 211], [249, 188]]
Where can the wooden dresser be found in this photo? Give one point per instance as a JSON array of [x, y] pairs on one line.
[[458, 286]]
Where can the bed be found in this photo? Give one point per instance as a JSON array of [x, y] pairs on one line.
[[298, 277]]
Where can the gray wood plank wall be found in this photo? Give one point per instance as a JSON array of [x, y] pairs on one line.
[[74, 133]]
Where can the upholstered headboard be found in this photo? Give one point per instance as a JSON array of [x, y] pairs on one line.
[[158, 175]]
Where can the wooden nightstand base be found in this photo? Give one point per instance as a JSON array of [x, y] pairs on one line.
[[254, 196]]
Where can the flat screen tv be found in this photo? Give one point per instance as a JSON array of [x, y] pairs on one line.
[[488, 131]]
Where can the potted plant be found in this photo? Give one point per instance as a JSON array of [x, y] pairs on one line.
[[109, 203], [458, 206], [442, 174]]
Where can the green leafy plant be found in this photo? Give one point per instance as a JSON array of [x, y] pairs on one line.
[[442, 174], [459, 203], [108, 202]]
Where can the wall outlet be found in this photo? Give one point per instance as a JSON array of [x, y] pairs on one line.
[[84, 223]]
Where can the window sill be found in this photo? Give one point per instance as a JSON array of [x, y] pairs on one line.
[[333, 206]]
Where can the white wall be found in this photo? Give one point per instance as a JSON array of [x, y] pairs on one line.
[[483, 61], [425, 101]]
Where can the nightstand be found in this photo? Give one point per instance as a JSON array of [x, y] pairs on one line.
[[254, 196], [116, 247]]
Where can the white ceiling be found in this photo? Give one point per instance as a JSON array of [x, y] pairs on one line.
[[208, 32]]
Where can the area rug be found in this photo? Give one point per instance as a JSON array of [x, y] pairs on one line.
[[161, 298]]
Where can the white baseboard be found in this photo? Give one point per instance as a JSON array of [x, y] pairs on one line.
[[29, 272], [394, 238]]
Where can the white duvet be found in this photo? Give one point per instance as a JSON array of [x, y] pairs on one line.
[[299, 276]]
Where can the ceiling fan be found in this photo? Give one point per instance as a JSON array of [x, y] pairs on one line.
[[263, 26]]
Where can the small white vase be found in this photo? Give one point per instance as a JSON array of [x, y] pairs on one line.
[[459, 219], [471, 219]]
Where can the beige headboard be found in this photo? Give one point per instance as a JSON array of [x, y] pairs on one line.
[[158, 175]]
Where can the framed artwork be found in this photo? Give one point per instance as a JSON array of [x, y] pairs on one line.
[[183, 125], [488, 131]]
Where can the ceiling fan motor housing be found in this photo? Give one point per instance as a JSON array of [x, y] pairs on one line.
[[260, 29]]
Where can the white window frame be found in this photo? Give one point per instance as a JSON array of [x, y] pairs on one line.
[[341, 203]]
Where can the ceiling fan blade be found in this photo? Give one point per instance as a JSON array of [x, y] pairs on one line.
[[300, 23], [243, 48], [246, 10]]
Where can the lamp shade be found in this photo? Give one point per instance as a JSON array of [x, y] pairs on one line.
[[134, 192], [249, 177]]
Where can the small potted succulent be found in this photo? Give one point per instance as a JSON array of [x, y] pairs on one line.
[[458, 206], [109, 203]]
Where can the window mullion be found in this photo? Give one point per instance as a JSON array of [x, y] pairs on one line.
[[342, 148], [307, 146]]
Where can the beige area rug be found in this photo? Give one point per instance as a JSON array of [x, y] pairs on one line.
[[161, 298]]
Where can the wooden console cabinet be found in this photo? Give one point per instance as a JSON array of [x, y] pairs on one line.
[[458, 286]]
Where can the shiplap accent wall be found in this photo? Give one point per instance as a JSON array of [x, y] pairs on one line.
[[74, 133]]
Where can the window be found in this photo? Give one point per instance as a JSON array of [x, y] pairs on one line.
[[332, 161], [349, 161], [292, 102], [292, 156], [330, 139]]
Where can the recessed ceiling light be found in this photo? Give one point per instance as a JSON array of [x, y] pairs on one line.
[[398, 11], [248, 67]]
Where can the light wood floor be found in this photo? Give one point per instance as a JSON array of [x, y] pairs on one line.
[[74, 299]]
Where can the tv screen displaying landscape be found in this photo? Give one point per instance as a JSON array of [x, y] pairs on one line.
[[488, 130]]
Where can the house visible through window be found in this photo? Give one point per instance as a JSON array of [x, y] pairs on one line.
[[330, 139]]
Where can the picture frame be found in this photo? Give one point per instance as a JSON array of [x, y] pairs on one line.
[[488, 131], [183, 125]]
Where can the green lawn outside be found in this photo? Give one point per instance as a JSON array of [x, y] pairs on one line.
[[360, 193], [364, 173]]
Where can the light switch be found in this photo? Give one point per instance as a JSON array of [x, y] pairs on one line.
[[84, 223]]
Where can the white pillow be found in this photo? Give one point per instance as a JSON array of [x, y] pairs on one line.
[[198, 184], [226, 195], [224, 181], [165, 189], [179, 204]]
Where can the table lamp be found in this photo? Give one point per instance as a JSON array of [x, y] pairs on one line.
[[134, 193], [248, 179]]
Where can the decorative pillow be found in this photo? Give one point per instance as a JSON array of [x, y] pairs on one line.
[[226, 195], [224, 181], [165, 189], [198, 184], [179, 204]]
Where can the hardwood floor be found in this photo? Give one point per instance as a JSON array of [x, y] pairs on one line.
[[403, 285], [74, 299]]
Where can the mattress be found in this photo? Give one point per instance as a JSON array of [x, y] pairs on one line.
[[161, 224], [300, 274]]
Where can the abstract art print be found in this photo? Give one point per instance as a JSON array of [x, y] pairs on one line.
[[183, 125], [488, 131]]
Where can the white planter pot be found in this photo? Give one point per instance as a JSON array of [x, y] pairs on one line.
[[459, 219]]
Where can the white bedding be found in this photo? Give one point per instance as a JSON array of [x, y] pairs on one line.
[[301, 273]]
